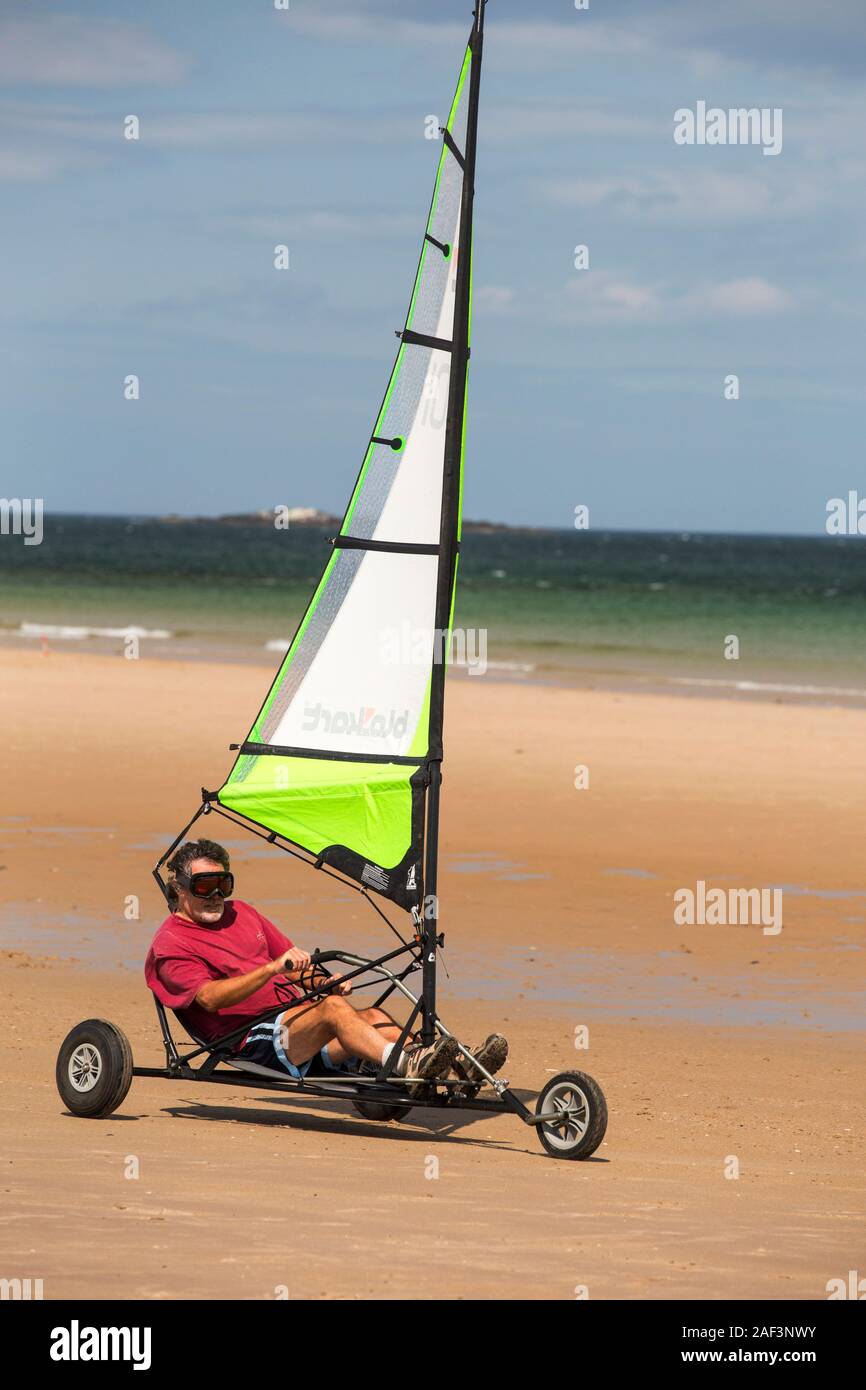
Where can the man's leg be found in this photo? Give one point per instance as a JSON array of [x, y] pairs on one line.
[[334, 1023], [384, 1025], [363, 1033]]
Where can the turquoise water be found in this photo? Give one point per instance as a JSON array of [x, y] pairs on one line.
[[628, 604]]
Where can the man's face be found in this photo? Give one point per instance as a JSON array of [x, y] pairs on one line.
[[207, 911]]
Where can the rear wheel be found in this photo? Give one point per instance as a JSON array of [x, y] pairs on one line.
[[578, 1115], [94, 1069], [376, 1110]]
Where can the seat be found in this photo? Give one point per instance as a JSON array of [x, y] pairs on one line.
[[216, 1054]]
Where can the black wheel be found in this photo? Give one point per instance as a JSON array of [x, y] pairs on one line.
[[377, 1110], [94, 1069], [578, 1115]]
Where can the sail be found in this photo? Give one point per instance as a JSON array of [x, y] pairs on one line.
[[338, 758]]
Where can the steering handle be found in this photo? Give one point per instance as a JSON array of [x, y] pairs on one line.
[[318, 957]]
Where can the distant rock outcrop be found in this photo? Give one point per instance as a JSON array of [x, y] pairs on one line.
[[311, 516], [266, 516]]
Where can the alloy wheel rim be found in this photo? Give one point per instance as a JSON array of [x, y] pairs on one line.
[[85, 1067], [569, 1119]]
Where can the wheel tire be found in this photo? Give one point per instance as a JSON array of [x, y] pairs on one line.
[[376, 1110], [572, 1091], [94, 1069]]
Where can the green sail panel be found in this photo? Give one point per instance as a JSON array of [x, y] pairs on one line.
[[356, 680], [366, 820]]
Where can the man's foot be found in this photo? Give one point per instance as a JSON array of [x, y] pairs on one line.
[[427, 1064], [492, 1054]]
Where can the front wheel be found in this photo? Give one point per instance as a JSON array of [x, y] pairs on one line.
[[94, 1069], [578, 1115]]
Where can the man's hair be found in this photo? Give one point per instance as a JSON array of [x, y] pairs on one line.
[[194, 849]]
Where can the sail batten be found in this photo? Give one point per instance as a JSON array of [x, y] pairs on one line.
[[338, 760]]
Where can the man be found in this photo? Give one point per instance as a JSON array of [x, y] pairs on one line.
[[218, 963]]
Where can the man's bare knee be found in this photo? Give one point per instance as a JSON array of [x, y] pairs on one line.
[[376, 1018]]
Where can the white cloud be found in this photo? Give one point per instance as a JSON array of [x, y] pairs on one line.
[[19, 166], [511, 44], [510, 123], [544, 43], [225, 128], [691, 195], [379, 224], [347, 27], [68, 51], [600, 297], [778, 36], [39, 143], [770, 35], [744, 298], [494, 299], [189, 129]]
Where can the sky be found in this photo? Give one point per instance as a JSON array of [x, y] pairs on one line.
[[602, 387]]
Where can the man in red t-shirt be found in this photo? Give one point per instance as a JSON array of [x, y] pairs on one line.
[[216, 961]]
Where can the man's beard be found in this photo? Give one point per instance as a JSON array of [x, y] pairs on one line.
[[212, 912]]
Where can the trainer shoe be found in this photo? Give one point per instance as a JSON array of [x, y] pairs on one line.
[[492, 1054], [427, 1064]]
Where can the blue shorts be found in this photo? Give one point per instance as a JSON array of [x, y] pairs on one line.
[[263, 1046]]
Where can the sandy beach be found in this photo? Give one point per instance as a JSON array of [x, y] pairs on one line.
[[712, 1042]]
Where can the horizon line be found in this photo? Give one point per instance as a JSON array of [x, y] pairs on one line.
[[473, 521]]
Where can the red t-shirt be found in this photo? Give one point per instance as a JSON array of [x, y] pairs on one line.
[[184, 956]]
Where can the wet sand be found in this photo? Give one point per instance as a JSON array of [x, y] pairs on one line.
[[710, 1041]]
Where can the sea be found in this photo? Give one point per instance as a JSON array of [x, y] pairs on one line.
[[775, 617]]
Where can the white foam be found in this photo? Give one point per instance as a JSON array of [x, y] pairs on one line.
[[772, 686], [278, 644], [495, 665], [60, 632]]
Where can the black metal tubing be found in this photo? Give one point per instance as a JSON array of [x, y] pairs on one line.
[[431, 907], [449, 141], [388, 1067], [409, 335], [202, 811], [386, 548], [298, 852], [443, 246], [318, 957], [378, 1088], [449, 522], [386, 1094], [277, 750]]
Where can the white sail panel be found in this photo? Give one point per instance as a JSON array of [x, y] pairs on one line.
[[412, 510], [365, 692], [360, 684]]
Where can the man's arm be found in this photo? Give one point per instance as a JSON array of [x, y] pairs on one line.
[[221, 994]]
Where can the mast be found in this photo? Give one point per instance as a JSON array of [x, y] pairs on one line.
[[449, 529]]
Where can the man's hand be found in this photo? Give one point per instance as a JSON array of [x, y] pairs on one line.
[[344, 986], [290, 962], [221, 994]]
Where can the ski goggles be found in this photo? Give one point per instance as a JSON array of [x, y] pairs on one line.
[[211, 883]]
